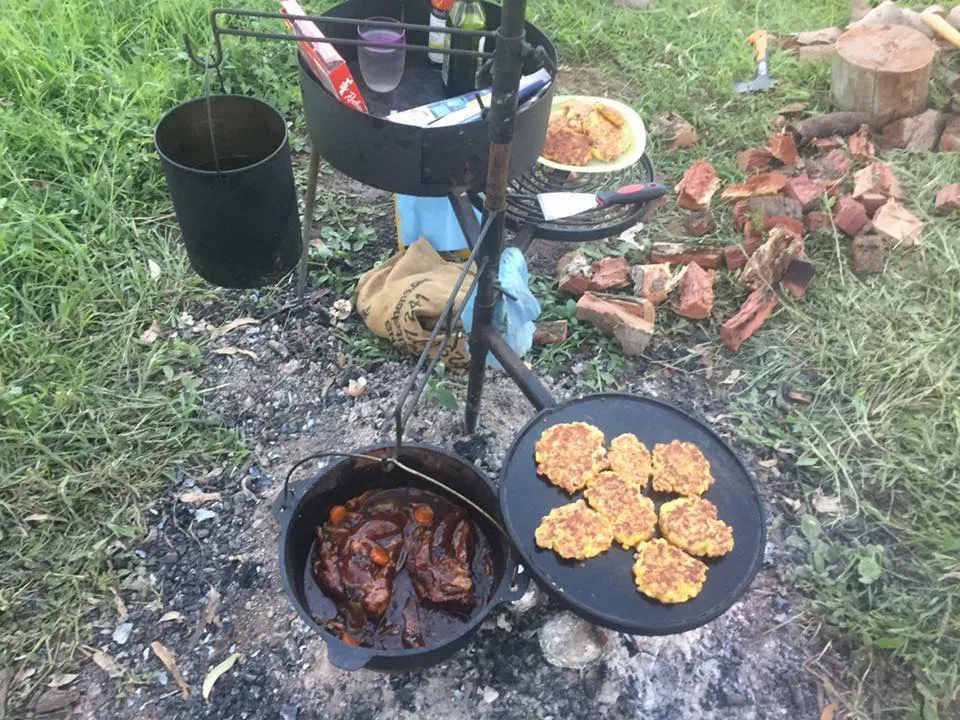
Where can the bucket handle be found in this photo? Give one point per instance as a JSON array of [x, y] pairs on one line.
[[206, 95]]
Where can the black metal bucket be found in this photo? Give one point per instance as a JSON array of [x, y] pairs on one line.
[[236, 205]]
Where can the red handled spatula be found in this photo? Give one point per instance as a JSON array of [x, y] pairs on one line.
[[564, 204]]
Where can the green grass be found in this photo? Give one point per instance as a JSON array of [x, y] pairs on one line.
[[880, 354], [92, 421]]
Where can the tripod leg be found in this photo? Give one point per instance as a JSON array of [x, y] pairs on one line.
[[310, 202]]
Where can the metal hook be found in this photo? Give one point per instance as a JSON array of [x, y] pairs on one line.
[[218, 47]]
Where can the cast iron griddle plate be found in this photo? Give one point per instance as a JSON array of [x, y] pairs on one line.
[[602, 589]]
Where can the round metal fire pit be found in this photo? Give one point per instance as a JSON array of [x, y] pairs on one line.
[[427, 162]]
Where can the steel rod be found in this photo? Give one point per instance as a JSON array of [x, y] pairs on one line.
[[528, 382], [309, 203], [463, 210], [507, 68], [352, 43]]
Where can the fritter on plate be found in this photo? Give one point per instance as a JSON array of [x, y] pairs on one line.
[[681, 468], [576, 114], [666, 573], [630, 459], [570, 455], [692, 525], [611, 114], [609, 141], [632, 514], [568, 147], [574, 532]]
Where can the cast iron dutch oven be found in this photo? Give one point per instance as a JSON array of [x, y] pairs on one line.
[[306, 504]]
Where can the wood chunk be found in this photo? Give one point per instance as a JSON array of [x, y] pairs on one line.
[[825, 126], [897, 225], [652, 282], [700, 224], [783, 147], [771, 260], [697, 187], [754, 160], [754, 312], [738, 213], [551, 332], [824, 36], [850, 216], [736, 256], [797, 278], [877, 179], [696, 293], [789, 224], [867, 253], [883, 71], [633, 333], [775, 205], [815, 53], [671, 128], [764, 184], [950, 138], [832, 166], [806, 192], [948, 200], [707, 256], [920, 133]]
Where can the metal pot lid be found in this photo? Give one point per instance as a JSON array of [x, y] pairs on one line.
[[601, 589]]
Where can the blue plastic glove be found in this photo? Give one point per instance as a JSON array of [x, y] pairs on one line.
[[431, 218], [513, 318]]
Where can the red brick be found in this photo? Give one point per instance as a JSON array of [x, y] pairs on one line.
[[832, 166], [897, 225], [631, 331], [641, 307], [754, 160], [772, 205], [697, 186], [877, 179], [754, 312], [739, 213], [860, 144], [783, 147], [797, 278], [791, 225], [827, 144], [817, 221], [867, 253], [610, 273], [806, 192], [574, 272], [737, 255], [696, 293], [706, 256], [551, 332], [948, 200], [700, 224], [652, 282], [850, 216], [950, 139], [763, 184]]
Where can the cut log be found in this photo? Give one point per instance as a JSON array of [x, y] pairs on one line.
[[883, 71]]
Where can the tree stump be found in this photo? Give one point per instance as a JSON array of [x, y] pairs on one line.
[[883, 71]]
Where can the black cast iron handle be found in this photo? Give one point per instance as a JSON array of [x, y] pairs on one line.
[[347, 657], [630, 194]]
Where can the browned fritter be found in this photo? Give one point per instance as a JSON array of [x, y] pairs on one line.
[[630, 459], [691, 524], [681, 468], [666, 573], [611, 114], [632, 514], [568, 147], [609, 141], [574, 532], [570, 455], [576, 114]]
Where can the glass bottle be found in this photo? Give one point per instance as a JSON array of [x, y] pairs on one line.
[[460, 71]]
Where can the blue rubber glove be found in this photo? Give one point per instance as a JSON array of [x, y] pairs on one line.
[[513, 318], [431, 218]]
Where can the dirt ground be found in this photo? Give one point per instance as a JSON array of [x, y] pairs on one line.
[[215, 565]]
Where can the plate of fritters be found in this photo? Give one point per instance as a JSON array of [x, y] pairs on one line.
[[593, 135]]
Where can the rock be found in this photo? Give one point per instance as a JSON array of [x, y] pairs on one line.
[[706, 256], [551, 332], [867, 253], [632, 332], [771, 260], [754, 312], [122, 633], [775, 206], [610, 273], [696, 293], [948, 200], [737, 255], [886, 13], [919, 133], [568, 641], [574, 271], [913, 19], [763, 184], [832, 166], [54, 700], [700, 224], [783, 147], [850, 216], [674, 129], [489, 694], [634, 4], [817, 221], [652, 282], [824, 36], [697, 187], [950, 139], [815, 53], [860, 144], [897, 225], [806, 192], [530, 599], [754, 160], [953, 17]]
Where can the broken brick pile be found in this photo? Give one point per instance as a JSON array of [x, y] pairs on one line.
[[836, 185]]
